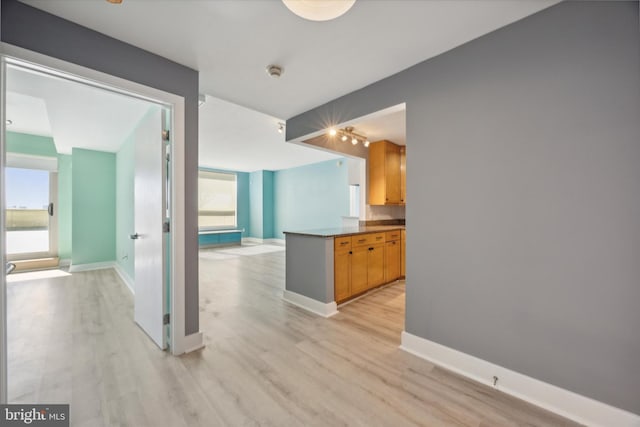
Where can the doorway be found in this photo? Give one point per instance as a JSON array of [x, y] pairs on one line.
[[33, 232], [30, 216]]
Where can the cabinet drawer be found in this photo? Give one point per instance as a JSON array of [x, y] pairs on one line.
[[392, 235], [342, 243], [367, 239]]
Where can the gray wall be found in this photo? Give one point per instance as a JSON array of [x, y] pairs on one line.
[[32, 29], [524, 182]]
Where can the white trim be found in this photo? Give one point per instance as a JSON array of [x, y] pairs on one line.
[[563, 402], [3, 281], [125, 277], [30, 161], [193, 342], [277, 242], [16, 55], [252, 240], [74, 268], [256, 240], [321, 309]]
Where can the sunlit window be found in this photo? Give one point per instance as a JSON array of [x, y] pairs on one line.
[[217, 195]]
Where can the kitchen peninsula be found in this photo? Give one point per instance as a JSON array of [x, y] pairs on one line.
[[329, 266]]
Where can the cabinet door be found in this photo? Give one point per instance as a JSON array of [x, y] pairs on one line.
[[359, 266], [375, 265], [376, 172], [392, 173], [392, 260], [342, 274]]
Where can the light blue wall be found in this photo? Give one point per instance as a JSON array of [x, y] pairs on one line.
[[94, 198], [65, 198], [125, 209], [310, 197]]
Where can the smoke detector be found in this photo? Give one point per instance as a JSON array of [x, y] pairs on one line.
[[275, 71]]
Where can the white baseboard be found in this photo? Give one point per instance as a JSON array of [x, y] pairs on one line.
[[278, 242], [253, 240], [309, 304], [74, 268], [125, 277], [193, 342], [256, 240], [563, 402]]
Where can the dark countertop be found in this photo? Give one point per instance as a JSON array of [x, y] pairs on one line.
[[346, 231]]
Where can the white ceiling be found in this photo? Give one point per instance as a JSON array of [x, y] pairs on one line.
[[388, 126], [238, 138], [231, 42], [75, 115]]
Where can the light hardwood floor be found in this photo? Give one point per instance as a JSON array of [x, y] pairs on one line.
[[266, 363]]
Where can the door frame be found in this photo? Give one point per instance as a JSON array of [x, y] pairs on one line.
[[13, 55]]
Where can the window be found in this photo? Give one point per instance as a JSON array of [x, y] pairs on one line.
[[217, 195]]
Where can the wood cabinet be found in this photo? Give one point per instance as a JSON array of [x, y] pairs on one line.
[[392, 256], [365, 261], [384, 171]]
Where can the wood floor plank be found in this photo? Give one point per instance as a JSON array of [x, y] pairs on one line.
[[266, 362]]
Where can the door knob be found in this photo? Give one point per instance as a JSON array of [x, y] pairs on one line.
[[134, 236]]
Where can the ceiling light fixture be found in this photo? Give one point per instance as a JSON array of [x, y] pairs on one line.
[[275, 71], [349, 133], [281, 127], [115, 1], [9, 122], [319, 10]]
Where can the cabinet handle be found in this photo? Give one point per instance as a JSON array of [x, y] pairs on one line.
[[370, 249], [379, 237], [362, 240], [344, 243], [350, 252]]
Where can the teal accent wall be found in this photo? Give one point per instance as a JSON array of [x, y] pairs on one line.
[[268, 212], [255, 204], [244, 210], [94, 198], [125, 209], [261, 204], [64, 208], [310, 197], [31, 144]]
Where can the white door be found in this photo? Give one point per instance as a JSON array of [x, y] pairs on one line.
[[150, 212]]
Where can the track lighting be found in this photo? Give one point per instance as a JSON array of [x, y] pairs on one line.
[[8, 122], [349, 133], [280, 127]]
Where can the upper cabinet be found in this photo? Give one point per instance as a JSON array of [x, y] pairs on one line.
[[386, 173]]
